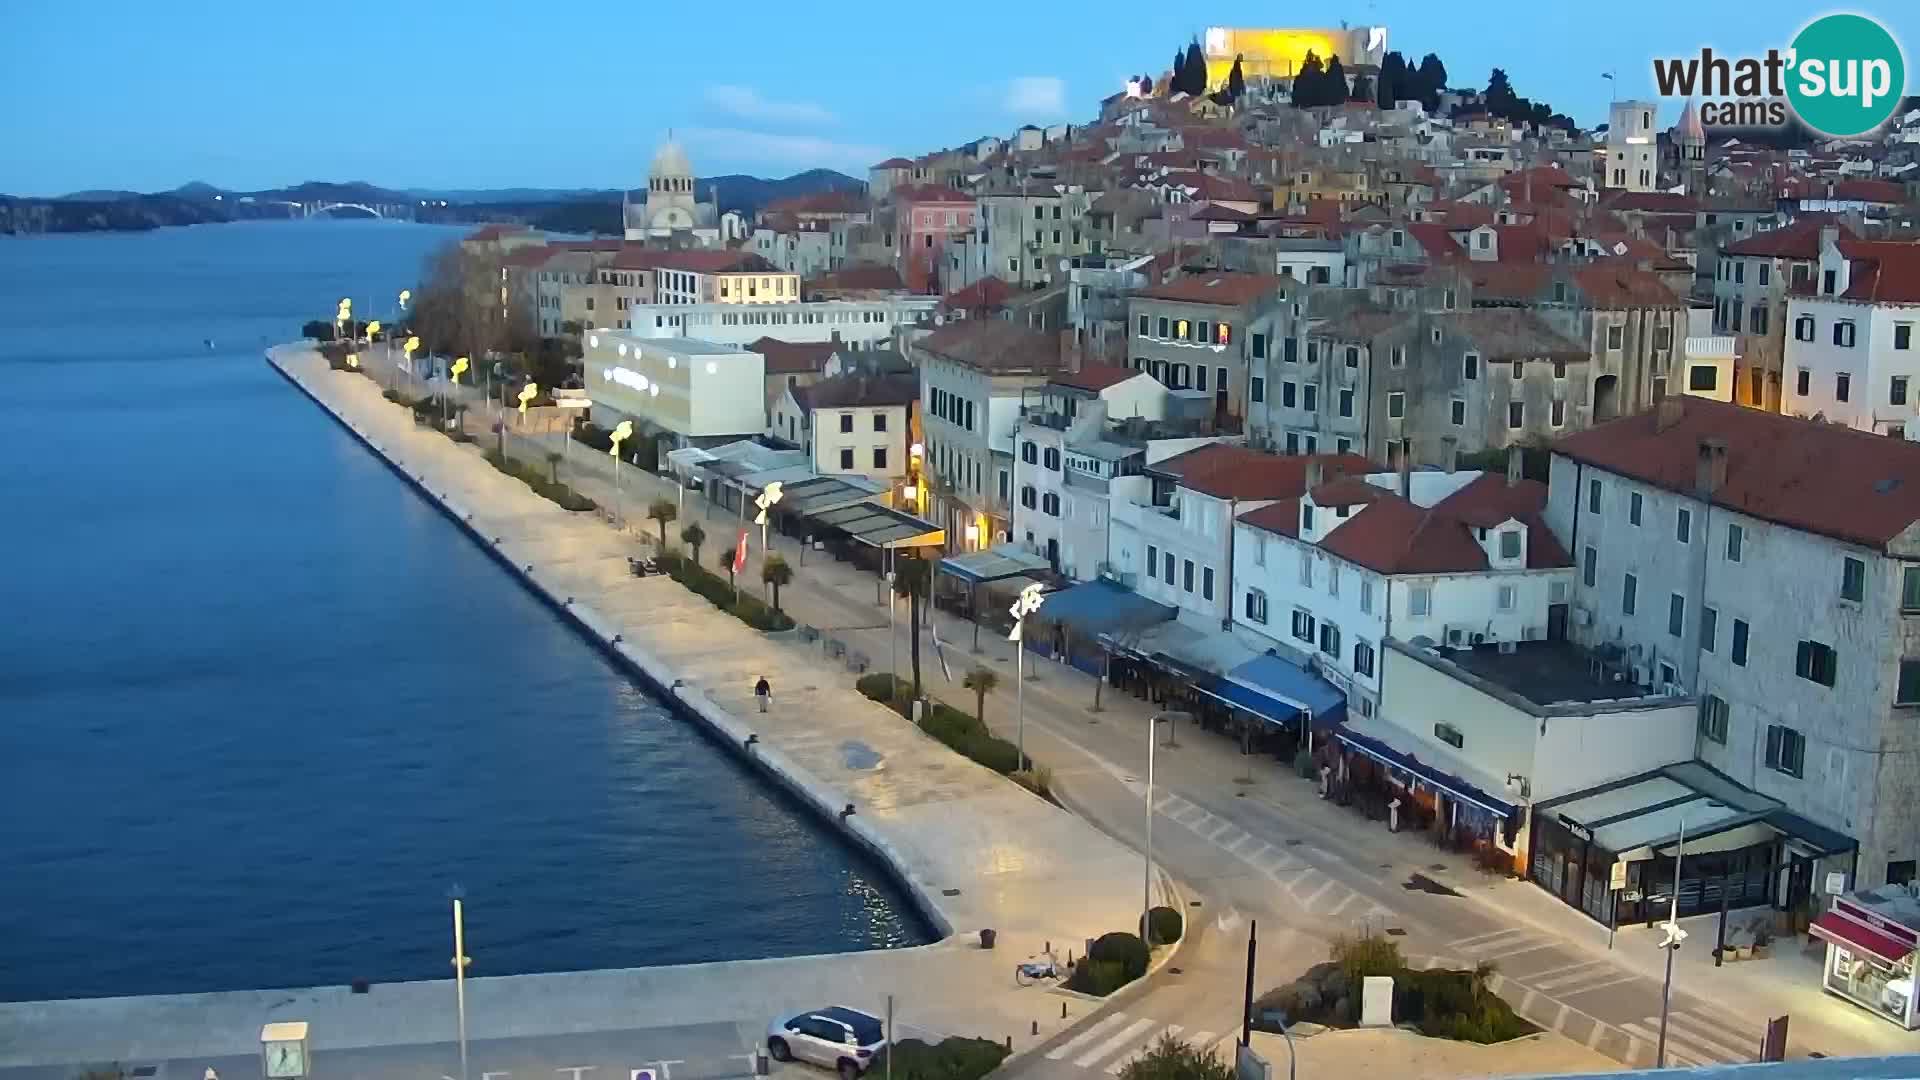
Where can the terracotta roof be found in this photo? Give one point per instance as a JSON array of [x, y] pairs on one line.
[[530, 256], [1666, 202], [930, 193], [714, 262], [987, 294], [1800, 240], [1235, 472], [876, 277], [1217, 212], [833, 201], [1281, 518], [1516, 282], [1544, 178], [1223, 287], [1619, 286], [1360, 324], [1503, 333], [1877, 191], [1096, 377], [486, 233], [1817, 477], [1214, 188], [1885, 271], [1394, 536], [894, 163], [861, 390], [793, 358], [994, 346]]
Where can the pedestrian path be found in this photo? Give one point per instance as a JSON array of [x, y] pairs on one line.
[[1118, 1038], [1312, 889]]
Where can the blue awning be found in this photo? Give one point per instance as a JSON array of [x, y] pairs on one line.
[[1377, 740], [1280, 691], [1098, 607]]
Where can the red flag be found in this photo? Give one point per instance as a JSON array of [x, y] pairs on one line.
[[740, 553]]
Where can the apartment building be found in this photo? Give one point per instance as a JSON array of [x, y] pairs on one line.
[[1751, 280], [926, 219], [853, 424], [1192, 333], [1025, 233], [1851, 355], [721, 277]]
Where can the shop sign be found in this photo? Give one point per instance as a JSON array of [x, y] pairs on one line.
[[1578, 830], [1617, 876], [1836, 882]]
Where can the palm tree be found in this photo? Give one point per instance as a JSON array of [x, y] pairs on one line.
[[693, 536], [726, 563], [982, 681], [553, 466], [663, 511], [911, 576], [776, 572]]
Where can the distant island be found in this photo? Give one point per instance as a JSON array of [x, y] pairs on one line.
[[582, 210]]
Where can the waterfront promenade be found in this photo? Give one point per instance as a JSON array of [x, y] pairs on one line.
[[979, 851]]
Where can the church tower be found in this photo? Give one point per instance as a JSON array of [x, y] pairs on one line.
[[1690, 138]]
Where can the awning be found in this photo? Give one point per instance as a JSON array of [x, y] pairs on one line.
[[993, 564], [1844, 932], [1268, 685], [880, 526], [818, 493], [1400, 749], [1100, 607], [1639, 815]]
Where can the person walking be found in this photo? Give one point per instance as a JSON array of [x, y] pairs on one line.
[[763, 692]]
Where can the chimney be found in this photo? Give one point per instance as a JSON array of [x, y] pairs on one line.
[[1406, 469], [1711, 471], [1829, 236], [1450, 452], [1513, 465], [1315, 473], [1667, 412]]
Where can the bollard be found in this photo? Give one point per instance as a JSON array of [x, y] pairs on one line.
[[753, 738], [1009, 1044], [1036, 1027], [760, 1066], [1063, 1010]]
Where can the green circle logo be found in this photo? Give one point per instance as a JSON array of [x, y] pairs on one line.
[[1847, 76]]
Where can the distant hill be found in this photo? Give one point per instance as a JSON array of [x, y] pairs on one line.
[[598, 212]]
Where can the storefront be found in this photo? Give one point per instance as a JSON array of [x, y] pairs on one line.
[[1871, 939], [1390, 774]]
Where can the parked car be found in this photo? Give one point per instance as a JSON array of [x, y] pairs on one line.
[[842, 1039]]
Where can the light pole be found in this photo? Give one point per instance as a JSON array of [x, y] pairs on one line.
[[1674, 935], [458, 369], [1146, 881], [621, 433], [768, 498], [460, 962], [1026, 604]]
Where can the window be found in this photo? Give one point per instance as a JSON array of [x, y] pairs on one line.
[[1420, 601], [1366, 597], [1786, 750], [1906, 690], [1287, 395], [1590, 571], [880, 457], [1030, 452], [1842, 385], [1303, 625], [1329, 639], [1802, 383], [1029, 496], [1259, 346], [1516, 414], [1897, 391], [1289, 351], [1633, 507], [1765, 267], [1629, 590], [1739, 273], [1815, 661], [1256, 606], [1306, 561], [1206, 583], [1353, 357], [1616, 337], [1200, 376], [1458, 411], [1362, 658], [1470, 366], [1519, 369], [1736, 542], [1153, 560], [1737, 651], [1450, 735], [1557, 412], [1309, 397], [1050, 457], [1186, 574], [1803, 328], [1504, 598], [1843, 333], [1396, 404], [1257, 389], [1398, 357], [1703, 377], [1910, 588], [1676, 615], [1902, 336], [1683, 525], [1143, 325], [1593, 496], [1713, 719], [1510, 544], [880, 421], [1163, 326], [1758, 322], [846, 457], [1166, 564], [1853, 579], [1346, 402]]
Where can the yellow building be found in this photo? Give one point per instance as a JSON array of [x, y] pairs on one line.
[[1278, 53]]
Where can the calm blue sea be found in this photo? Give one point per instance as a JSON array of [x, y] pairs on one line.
[[260, 706]]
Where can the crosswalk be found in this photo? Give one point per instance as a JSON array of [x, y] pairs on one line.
[[1118, 1038], [1694, 1040], [1311, 889]]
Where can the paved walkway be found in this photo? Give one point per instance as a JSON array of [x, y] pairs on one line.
[[980, 850]]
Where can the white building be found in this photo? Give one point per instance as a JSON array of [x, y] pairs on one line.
[[1769, 567], [1851, 353], [692, 391], [859, 323], [674, 209], [721, 277], [852, 424], [1632, 160]]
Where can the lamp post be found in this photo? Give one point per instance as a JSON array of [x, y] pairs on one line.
[[1146, 883], [458, 369], [412, 346], [1673, 934], [768, 498], [460, 962], [1024, 605], [621, 433]]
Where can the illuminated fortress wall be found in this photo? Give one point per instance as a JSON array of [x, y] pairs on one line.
[[1279, 53]]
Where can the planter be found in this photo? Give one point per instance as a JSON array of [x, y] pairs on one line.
[[1761, 952], [986, 939], [1743, 952]]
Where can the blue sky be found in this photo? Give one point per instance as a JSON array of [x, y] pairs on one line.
[[147, 96]]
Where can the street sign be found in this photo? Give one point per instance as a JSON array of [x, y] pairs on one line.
[[1617, 877]]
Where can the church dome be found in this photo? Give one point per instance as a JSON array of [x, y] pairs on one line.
[[670, 160]]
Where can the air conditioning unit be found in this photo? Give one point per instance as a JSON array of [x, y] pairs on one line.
[[1477, 638], [1673, 690], [1508, 648], [1642, 676], [1582, 616], [1534, 633], [1456, 637]]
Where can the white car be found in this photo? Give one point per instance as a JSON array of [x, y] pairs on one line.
[[842, 1039]]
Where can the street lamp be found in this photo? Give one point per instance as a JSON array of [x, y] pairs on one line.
[[460, 962], [1673, 935], [618, 435], [1024, 605], [769, 496], [458, 369], [1146, 885]]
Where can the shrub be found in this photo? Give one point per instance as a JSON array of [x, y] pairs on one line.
[[1171, 1059], [880, 686], [1098, 977], [1368, 954], [1166, 924], [1036, 778], [955, 1058], [720, 593], [1122, 948], [1303, 764]]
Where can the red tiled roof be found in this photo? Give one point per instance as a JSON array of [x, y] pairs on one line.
[[1800, 240], [486, 233], [1886, 271], [1282, 517], [714, 262], [1619, 286], [995, 346], [1666, 202], [1873, 191], [987, 294], [1395, 536], [530, 256], [794, 358], [1223, 287], [873, 277], [819, 202], [1820, 478], [930, 193], [894, 163], [1235, 472], [1096, 377], [1219, 212]]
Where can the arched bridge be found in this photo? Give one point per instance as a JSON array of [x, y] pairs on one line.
[[316, 209]]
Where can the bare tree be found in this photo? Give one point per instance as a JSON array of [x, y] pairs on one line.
[[462, 309]]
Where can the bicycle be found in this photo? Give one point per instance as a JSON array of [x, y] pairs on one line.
[[1036, 968]]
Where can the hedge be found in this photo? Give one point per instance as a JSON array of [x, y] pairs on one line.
[[568, 498], [954, 1058], [959, 730], [742, 605]]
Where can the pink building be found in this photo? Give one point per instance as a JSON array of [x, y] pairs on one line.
[[924, 218]]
